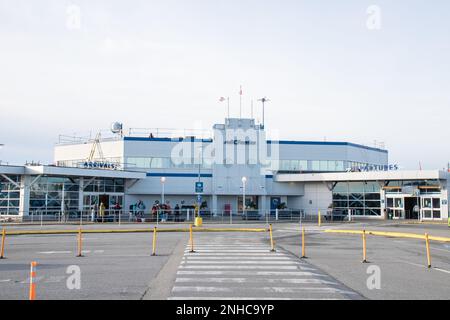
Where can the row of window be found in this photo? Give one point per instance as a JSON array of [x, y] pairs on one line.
[[362, 198], [275, 165], [9, 195]]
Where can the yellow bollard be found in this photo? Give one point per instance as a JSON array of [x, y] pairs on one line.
[[32, 291], [154, 242], [80, 243], [272, 246], [320, 219], [303, 243], [427, 242], [191, 238], [2, 249], [364, 246]]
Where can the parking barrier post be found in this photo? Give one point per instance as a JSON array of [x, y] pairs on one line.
[[32, 291], [319, 219], [2, 249], [154, 242], [80, 243], [427, 243], [191, 238], [364, 246], [303, 243], [272, 247]]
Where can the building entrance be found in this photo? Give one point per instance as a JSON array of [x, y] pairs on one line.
[[411, 208]]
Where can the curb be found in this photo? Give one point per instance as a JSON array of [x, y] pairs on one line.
[[49, 232], [391, 234]]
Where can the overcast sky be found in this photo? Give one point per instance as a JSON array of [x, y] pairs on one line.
[[334, 70]]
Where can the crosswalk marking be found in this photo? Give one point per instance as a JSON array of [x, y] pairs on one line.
[[192, 262], [239, 269], [249, 280], [250, 273]]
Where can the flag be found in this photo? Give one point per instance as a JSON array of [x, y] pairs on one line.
[[222, 99], [240, 90]]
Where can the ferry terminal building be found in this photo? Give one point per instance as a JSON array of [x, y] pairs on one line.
[[307, 176]]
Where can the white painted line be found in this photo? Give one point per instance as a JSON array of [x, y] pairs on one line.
[[55, 279], [252, 273], [240, 267], [264, 289], [442, 270], [5, 280], [201, 289], [426, 267], [302, 289], [190, 262], [247, 280], [265, 257], [231, 298], [218, 280], [237, 251], [35, 279], [224, 246], [266, 254], [53, 252]]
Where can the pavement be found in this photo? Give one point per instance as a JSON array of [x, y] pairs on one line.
[[235, 265], [244, 268], [113, 267], [402, 263]]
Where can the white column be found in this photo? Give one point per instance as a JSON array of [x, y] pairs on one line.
[[80, 195], [24, 204], [214, 204]]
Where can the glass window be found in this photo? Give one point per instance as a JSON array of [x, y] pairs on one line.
[[352, 196], [436, 203], [398, 203], [427, 203], [315, 165], [323, 165], [390, 202], [303, 165]]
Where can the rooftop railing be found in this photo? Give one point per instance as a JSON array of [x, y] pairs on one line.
[[106, 135]]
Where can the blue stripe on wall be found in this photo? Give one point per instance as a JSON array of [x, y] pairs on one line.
[[180, 175]]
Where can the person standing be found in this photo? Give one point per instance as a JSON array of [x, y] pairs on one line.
[[102, 212], [177, 213]]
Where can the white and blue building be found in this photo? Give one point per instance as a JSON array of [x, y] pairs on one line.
[[237, 158]]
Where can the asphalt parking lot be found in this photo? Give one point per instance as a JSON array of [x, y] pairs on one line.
[[225, 265], [113, 267]]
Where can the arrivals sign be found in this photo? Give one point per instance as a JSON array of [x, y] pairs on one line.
[[100, 165]]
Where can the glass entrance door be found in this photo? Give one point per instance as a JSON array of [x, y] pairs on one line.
[[431, 208], [395, 205]]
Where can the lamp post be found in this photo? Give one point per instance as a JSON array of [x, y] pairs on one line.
[[244, 181], [263, 100], [163, 181]]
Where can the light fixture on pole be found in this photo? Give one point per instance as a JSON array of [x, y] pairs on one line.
[[244, 181], [263, 100], [163, 180]]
